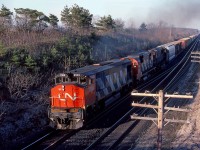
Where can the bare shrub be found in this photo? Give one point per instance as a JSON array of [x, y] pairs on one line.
[[19, 83]]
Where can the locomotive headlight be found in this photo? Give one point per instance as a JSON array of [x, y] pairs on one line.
[[62, 74], [63, 87], [77, 75]]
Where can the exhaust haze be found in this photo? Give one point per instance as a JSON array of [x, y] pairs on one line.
[[179, 13]]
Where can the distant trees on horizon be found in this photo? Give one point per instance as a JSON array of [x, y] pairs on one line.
[[32, 39], [74, 17]]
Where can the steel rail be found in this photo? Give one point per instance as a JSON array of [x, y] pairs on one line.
[[102, 114], [112, 128]]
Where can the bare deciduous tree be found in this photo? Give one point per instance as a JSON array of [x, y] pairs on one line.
[[20, 83]]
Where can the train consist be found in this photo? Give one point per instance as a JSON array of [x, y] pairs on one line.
[[78, 93]]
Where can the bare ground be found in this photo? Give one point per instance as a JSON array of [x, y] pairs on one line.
[[178, 136], [188, 137]]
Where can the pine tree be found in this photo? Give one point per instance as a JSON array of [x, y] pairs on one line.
[[16, 59], [53, 20], [76, 17], [5, 16], [143, 27], [106, 23], [30, 62], [29, 19]]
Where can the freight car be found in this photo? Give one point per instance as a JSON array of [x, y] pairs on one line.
[[79, 93]]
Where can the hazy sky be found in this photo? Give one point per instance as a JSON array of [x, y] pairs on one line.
[[181, 13]]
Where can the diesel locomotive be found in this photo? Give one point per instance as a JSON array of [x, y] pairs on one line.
[[79, 92]]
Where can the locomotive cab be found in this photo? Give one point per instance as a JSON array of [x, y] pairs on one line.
[[68, 101], [71, 78]]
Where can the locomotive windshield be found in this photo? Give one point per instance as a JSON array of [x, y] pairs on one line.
[[70, 78]]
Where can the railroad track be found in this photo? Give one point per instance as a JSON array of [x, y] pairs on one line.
[[130, 140], [82, 138], [47, 141], [114, 138]]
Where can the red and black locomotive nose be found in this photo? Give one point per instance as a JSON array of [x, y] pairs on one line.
[[67, 96]]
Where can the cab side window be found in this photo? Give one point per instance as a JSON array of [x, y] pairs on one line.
[[82, 80], [58, 80]]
